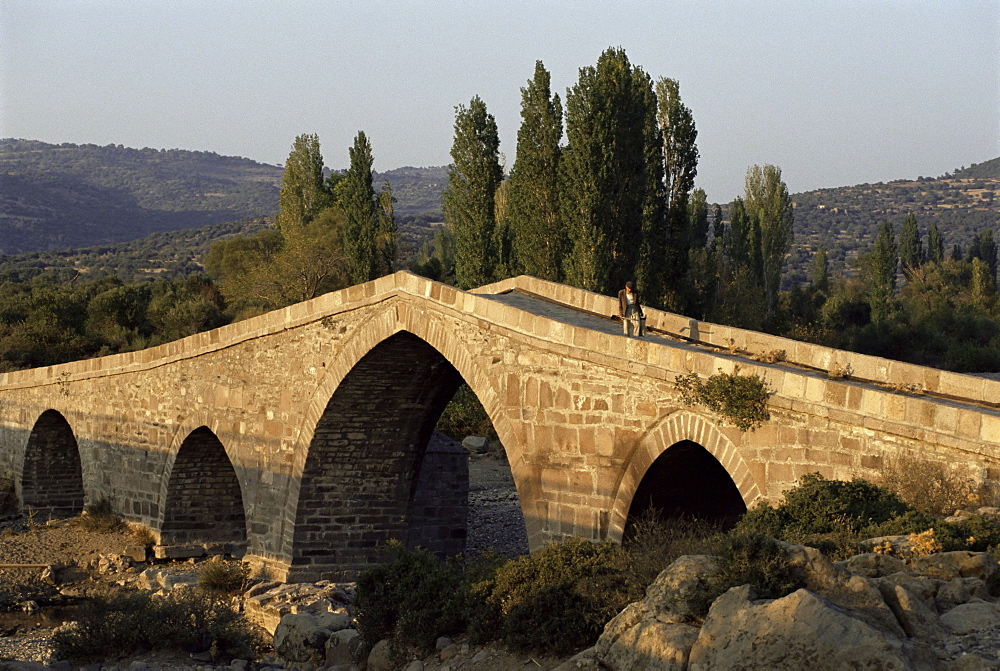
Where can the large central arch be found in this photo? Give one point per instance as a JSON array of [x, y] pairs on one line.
[[359, 475]]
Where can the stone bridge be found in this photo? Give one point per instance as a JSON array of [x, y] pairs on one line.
[[300, 433]]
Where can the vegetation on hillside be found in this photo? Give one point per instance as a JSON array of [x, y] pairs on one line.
[[62, 196]]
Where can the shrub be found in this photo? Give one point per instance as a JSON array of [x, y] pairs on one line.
[[820, 506], [558, 600], [223, 577], [465, 416], [120, 622], [739, 399], [758, 561], [653, 543], [100, 517], [929, 486], [411, 600]]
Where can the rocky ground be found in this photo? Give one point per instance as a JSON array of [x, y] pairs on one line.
[[33, 602]]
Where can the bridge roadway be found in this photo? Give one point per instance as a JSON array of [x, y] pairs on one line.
[[301, 433]]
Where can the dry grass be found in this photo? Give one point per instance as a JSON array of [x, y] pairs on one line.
[[772, 356], [933, 487], [838, 372]]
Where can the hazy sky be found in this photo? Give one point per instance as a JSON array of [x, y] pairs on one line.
[[835, 93]]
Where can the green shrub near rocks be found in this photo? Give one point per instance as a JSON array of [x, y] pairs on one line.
[[121, 622]]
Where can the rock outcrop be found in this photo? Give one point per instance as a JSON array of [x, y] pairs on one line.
[[868, 612]]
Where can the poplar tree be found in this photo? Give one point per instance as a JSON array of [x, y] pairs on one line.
[[538, 239], [680, 163], [882, 263], [303, 193], [386, 241], [911, 251], [697, 212], [935, 244], [469, 198], [770, 210], [605, 179], [357, 198]]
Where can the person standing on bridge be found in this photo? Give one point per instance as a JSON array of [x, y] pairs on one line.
[[630, 311]]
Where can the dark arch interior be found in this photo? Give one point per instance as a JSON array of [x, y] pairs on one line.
[[359, 483], [52, 478], [687, 481], [204, 499]]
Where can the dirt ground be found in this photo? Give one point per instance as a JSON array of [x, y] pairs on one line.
[[33, 604]]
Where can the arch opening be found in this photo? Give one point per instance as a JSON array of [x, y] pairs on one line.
[[204, 500], [687, 481], [52, 477], [374, 473]]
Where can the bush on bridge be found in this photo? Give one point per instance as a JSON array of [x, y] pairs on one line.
[[739, 399]]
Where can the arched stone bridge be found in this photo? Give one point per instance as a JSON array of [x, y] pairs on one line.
[[300, 432]]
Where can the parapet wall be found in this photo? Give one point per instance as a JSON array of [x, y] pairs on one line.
[[920, 379]]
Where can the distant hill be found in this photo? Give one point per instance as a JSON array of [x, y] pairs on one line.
[[166, 255], [63, 196], [70, 196], [846, 220]]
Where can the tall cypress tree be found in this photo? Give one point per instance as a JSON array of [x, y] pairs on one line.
[[303, 192], [770, 209], [935, 244], [469, 199], [604, 173], [680, 161], [911, 251], [357, 198], [385, 243], [538, 238], [882, 263]]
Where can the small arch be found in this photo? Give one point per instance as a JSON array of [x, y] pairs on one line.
[[204, 499], [52, 476], [698, 446], [687, 481]]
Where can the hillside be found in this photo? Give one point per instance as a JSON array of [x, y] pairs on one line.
[[62, 196], [846, 220], [69, 196]]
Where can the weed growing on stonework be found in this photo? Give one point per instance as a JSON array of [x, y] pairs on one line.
[[738, 399]]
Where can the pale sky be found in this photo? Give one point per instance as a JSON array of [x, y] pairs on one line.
[[835, 93]]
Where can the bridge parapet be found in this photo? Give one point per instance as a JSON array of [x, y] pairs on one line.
[[863, 367]]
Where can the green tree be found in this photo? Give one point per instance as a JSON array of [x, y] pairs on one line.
[[911, 251], [680, 162], [821, 270], [386, 243], [605, 176], [469, 198], [770, 210], [935, 244], [881, 266], [303, 192], [698, 219], [539, 241], [356, 196], [984, 248]]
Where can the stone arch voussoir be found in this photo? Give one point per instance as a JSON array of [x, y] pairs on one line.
[[676, 427]]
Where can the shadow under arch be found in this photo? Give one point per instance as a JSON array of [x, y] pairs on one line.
[[203, 500], [358, 479], [51, 482], [680, 466]]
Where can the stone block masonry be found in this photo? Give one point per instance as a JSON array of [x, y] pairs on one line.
[[304, 433]]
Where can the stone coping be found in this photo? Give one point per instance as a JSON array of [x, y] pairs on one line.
[[473, 304], [862, 367]]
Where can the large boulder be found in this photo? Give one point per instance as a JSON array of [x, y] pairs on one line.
[[973, 617], [302, 637], [951, 565], [799, 631], [656, 633]]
